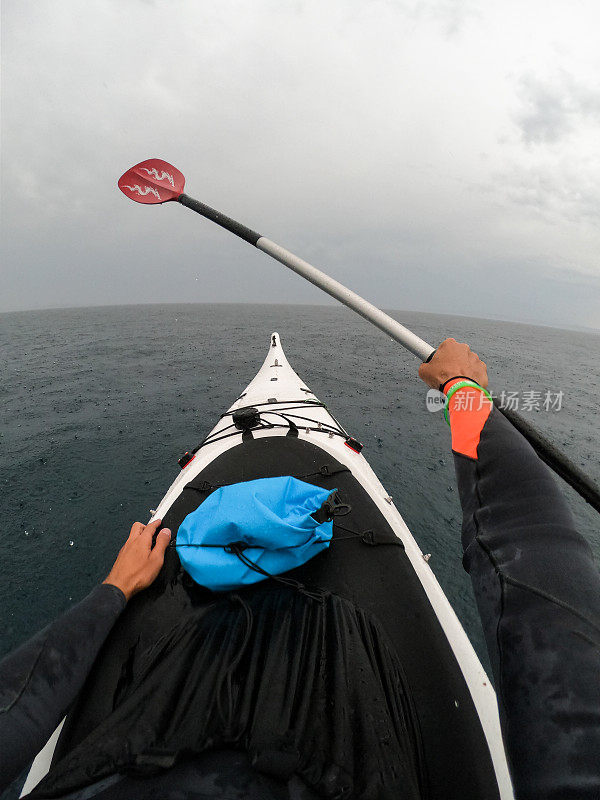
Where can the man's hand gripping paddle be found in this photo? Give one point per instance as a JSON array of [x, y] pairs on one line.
[[156, 181]]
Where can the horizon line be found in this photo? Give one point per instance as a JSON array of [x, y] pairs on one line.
[[332, 305]]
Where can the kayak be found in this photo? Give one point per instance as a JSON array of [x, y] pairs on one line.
[[278, 427]]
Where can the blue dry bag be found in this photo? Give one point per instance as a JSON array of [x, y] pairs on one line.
[[266, 522]]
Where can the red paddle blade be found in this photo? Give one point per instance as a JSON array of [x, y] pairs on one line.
[[152, 181]]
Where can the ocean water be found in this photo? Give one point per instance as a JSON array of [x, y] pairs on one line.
[[98, 404]]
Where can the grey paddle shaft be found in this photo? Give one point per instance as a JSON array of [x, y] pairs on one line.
[[349, 298]]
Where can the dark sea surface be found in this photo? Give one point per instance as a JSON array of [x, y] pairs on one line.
[[98, 404]]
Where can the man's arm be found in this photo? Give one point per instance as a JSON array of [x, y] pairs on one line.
[[537, 591], [40, 680]]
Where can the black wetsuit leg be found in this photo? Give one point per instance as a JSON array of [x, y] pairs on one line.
[[40, 680], [538, 593]]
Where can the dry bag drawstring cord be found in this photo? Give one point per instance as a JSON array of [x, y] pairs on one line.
[[237, 548]]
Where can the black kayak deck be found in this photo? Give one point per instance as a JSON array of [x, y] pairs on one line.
[[379, 579]]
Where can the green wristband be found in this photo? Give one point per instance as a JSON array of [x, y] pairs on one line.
[[462, 385]]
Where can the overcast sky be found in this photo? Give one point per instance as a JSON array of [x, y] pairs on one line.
[[433, 155]]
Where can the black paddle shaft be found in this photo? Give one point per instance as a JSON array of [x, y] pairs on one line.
[[247, 234], [556, 460]]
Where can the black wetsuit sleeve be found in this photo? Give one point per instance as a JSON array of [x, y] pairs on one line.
[[40, 680], [538, 593]]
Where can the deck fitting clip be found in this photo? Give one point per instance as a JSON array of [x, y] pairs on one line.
[[185, 459], [353, 444]]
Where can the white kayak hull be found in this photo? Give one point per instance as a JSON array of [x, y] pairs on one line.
[[281, 396]]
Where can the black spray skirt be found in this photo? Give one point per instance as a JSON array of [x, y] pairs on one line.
[[358, 692], [307, 687]]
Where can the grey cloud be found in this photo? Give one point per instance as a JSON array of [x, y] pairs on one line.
[[545, 116], [449, 16], [554, 192], [452, 15], [552, 108]]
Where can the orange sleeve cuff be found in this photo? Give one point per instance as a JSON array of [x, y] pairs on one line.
[[468, 411]]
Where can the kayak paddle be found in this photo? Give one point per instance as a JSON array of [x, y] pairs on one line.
[[156, 181]]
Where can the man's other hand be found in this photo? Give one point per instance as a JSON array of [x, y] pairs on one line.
[[138, 563]]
